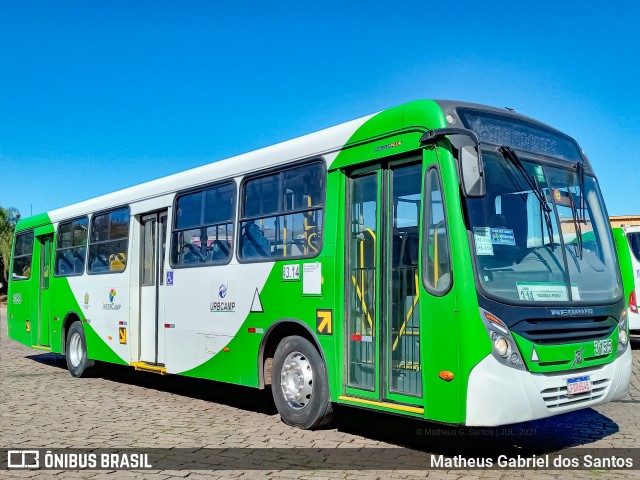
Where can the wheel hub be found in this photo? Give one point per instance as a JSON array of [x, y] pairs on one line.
[[296, 380], [75, 349]]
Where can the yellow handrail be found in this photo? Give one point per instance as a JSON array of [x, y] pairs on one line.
[[284, 239], [436, 261], [361, 289], [365, 310], [409, 314], [306, 228]]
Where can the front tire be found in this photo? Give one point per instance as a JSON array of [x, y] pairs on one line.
[[78, 362], [299, 384]]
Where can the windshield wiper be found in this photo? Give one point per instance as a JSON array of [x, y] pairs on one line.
[[576, 225], [579, 213], [509, 154], [583, 207]]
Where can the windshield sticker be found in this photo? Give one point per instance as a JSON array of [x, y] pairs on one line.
[[539, 174], [502, 236], [482, 237], [575, 293], [543, 292]]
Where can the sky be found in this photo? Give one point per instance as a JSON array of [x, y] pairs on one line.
[[98, 96]]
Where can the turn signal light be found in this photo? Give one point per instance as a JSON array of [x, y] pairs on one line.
[[633, 305], [446, 375], [499, 324]]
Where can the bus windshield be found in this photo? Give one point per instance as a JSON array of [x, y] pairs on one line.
[[525, 254]]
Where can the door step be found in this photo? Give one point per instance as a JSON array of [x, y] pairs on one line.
[[391, 406], [147, 367]]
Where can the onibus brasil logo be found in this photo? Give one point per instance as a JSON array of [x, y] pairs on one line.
[[112, 305]]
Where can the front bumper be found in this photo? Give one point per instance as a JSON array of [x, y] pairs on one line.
[[500, 395]]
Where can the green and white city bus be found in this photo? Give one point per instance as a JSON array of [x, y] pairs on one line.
[[440, 260]]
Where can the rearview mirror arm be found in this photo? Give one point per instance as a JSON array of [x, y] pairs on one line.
[[431, 136]]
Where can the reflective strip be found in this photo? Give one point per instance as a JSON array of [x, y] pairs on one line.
[[391, 406]]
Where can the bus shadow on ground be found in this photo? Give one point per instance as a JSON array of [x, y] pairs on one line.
[[224, 393], [530, 438]]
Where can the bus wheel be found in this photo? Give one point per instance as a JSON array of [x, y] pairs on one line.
[[78, 363], [299, 384]]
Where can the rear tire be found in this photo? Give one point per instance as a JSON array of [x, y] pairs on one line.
[[299, 384], [78, 362]]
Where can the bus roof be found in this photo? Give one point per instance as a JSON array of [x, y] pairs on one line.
[[419, 114]]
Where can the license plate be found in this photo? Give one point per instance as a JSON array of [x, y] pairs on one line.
[[578, 385]]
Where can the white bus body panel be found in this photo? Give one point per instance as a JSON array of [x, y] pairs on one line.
[[194, 333], [501, 395], [204, 321]]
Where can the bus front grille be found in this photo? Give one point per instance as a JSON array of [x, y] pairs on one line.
[[561, 331], [557, 397]]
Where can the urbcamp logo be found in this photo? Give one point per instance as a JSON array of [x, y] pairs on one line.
[[112, 299], [222, 295], [86, 300]]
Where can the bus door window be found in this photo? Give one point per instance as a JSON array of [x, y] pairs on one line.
[[362, 281], [163, 244], [406, 370]]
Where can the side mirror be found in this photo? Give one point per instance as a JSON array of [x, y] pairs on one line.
[[472, 173], [471, 170]]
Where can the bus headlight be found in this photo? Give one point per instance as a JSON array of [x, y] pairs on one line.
[[503, 346], [623, 333]]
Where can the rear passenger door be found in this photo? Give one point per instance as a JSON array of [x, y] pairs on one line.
[[152, 255]]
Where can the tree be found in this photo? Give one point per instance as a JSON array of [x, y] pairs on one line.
[[8, 219]]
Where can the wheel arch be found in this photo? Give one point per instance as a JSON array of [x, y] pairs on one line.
[[70, 318], [275, 333]]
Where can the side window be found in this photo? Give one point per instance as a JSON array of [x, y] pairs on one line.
[[71, 248], [108, 241], [436, 258], [282, 214], [203, 226], [22, 253], [634, 244]]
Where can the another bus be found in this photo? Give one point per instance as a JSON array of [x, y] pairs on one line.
[[441, 260], [627, 240]]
